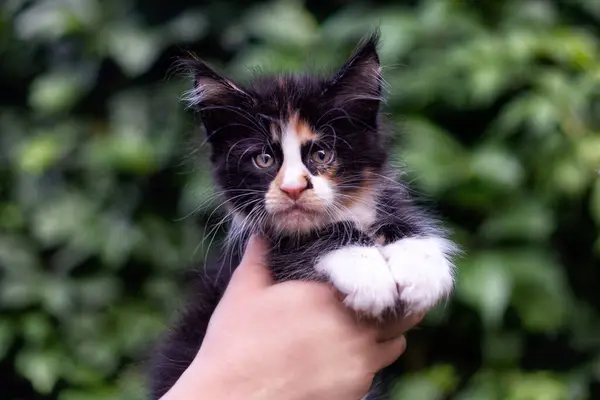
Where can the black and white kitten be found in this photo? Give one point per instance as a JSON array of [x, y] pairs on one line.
[[303, 160]]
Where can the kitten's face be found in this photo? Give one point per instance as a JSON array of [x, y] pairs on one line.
[[294, 153]]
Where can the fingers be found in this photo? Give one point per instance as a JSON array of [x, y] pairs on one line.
[[388, 352], [253, 272], [391, 339], [394, 328]]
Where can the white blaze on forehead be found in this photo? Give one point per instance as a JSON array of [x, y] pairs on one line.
[[294, 170]]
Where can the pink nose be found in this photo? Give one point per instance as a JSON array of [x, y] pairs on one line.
[[294, 192]]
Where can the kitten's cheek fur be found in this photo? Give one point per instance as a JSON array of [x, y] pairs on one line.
[[422, 269], [362, 274], [323, 189]]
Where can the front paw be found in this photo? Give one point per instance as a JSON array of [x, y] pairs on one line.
[[422, 269], [362, 274]]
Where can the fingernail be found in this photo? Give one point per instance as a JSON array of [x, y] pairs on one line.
[[403, 339]]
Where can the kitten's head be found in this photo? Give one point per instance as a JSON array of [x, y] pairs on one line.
[[293, 153]]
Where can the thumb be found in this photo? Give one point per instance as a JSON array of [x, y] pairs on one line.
[[253, 272]]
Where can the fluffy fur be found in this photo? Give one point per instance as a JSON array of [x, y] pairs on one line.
[[303, 160]]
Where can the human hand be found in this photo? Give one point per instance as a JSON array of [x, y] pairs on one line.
[[293, 340]]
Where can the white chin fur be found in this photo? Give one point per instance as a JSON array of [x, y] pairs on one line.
[[297, 221]]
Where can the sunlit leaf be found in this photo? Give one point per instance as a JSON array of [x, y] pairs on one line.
[[283, 22], [58, 90], [433, 156], [41, 368], [132, 47], [486, 284], [526, 220], [496, 165], [536, 386]]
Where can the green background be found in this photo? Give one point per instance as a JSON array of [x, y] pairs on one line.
[[105, 195]]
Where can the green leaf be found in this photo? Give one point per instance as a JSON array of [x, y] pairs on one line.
[[570, 176], [36, 328], [134, 48], [39, 153], [435, 157], [527, 220], [19, 294], [41, 368], [484, 385], [58, 90], [502, 348], [536, 386], [416, 386], [494, 164], [286, 22], [48, 20], [17, 256], [57, 296], [595, 202], [486, 284], [540, 284]]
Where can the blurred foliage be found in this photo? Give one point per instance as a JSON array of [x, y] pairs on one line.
[[104, 199]]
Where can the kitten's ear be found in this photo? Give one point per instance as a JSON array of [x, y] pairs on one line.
[[215, 98], [358, 84], [210, 88]]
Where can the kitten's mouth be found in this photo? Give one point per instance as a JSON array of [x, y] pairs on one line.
[[298, 209], [295, 211], [295, 217]]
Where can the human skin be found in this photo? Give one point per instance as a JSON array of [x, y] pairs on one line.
[[293, 340]]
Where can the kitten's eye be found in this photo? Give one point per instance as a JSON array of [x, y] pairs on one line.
[[322, 156], [263, 160]]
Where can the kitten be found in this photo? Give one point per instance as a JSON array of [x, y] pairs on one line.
[[303, 160]]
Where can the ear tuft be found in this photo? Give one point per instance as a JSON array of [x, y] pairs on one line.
[[364, 60], [210, 88], [358, 84]]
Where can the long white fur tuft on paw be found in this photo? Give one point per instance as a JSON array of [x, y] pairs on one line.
[[423, 270], [362, 274]]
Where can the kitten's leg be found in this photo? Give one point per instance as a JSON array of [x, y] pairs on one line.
[[348, 259], [416, 249]]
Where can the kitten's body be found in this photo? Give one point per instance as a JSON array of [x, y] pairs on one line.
[[304, 162]]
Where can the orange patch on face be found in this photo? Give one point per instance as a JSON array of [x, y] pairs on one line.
[[359, 194], [328, 172]]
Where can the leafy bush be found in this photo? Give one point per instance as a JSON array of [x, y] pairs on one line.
[[104, 198]]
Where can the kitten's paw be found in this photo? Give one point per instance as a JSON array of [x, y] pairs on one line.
[[422, 269], [363, 275]]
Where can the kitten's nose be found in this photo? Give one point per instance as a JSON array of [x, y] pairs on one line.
[[294, 190]]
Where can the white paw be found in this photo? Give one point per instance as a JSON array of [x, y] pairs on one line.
[[363, 275], [422, 269]]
